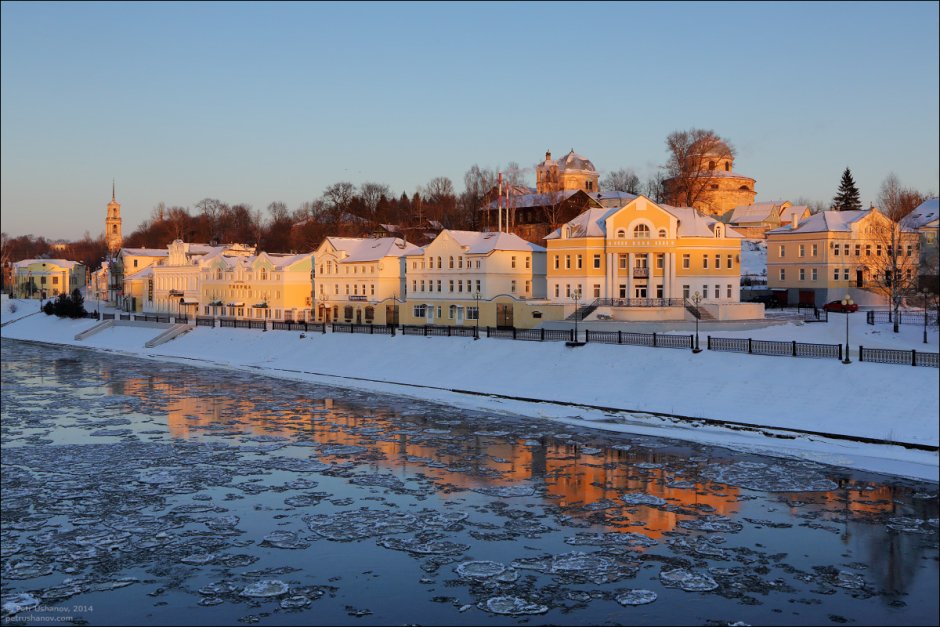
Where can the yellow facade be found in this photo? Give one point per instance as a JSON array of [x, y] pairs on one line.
[[570, 172], [112, 225], [47, 278], [643, 252], [833, 252], [260, 287]]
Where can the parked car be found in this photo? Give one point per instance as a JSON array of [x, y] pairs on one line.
[[836, 306], [769, 300]]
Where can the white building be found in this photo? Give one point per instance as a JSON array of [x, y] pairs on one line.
[[360, 280], [175, 283]]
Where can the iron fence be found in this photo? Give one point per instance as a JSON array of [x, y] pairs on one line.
[[107, 316], [204, 321], [638, 302], [774, 347], [904, 317], [373, 329], [900, 357], [653, 340], [227, 322]]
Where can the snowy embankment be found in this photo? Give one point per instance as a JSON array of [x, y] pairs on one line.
[[861, 400]]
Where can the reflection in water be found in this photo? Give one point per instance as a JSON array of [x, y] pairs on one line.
[[564, 519]]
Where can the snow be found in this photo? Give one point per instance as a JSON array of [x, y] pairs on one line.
[[877, 401], [754, 257]]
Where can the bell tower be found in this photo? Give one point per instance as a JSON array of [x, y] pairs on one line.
[[112, 224]]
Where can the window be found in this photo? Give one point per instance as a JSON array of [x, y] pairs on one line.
[[662, 233], [835, 250], [414, 285], [835, 274], [717, 291], [730, 261], [661, 260], [135, 263], [528, 287], [659, 291], [868, 250], [815, 274], [910, 248], [802, 274], [858, 250], [815, 249], [451, 311], [512, 262], [718, 262], [783, 274], [845, 250], [478, 285], [845, 274], [705, 261], [460, 262], [451, 286], [704, 291], [686, 261], [439, 266], [450, 262], [685, 291], [622, 261], [420, 311], [567, 290], [512, 287], [567, 262], [802, 252], [621, 233], [580, 257], [556, 262], [729, 292], [597, 261], [473, 313], [623, 290], [878, 250], [641, 231], [557, 289], [597, 290], [528, 262], [459, 285], [782, 250]]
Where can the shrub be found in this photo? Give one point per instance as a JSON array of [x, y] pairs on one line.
[[48, 308]]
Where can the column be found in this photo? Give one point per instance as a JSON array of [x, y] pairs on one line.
[[611, 273], [650, 292], [630, 262]]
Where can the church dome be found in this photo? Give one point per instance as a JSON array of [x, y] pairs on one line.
[[574, 161]]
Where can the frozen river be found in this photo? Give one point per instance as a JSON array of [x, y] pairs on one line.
[[140, 492]]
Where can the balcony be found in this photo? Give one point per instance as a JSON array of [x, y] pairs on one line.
[[641, 273]]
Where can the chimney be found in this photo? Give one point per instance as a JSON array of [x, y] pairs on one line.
[[796, 220]]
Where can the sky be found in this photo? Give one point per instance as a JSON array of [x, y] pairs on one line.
[[267, 102]]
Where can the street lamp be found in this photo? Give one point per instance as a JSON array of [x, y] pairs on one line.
[[847, 302], [926, 293], [696, 300], [476, 297], [576, 294], [179, 309]]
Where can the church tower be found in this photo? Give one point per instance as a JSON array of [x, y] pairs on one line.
[[112, 224]]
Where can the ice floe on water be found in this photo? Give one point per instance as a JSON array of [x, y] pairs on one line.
[[687, 580], [512, 606], [636, 597], [783, 476]]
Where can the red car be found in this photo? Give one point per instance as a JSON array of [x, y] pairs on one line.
[[837, 307]]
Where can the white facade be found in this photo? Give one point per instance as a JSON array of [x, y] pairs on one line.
[[355, 274], [174, 286]]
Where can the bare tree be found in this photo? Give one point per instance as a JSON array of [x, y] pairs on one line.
[[477, 183], [653, 188], [692, 168], [553, 208], [895, 272], [278, 211], [371, 194], [622, 180]]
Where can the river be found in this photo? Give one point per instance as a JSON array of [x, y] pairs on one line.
[[145, 492]]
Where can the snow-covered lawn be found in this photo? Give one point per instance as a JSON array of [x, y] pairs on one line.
[[868, 400]]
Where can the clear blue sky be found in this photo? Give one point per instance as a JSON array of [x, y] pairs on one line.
[[260, 102]]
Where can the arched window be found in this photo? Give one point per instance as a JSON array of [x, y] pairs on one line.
[[218, 274], [718, 230], [451, 263], [727, 166], [439, 266], [641, 231], [621, 233], [662, 233], [711, 165], [744, 188]]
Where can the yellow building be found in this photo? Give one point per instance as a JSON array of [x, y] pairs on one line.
[[465, 276], [568, 173], [360, 280], [128, 284], [47, 278], [753, 221], [645, 261], [834, 253], [112, 224], [265, 286]]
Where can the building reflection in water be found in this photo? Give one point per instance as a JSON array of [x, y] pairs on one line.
[[458, 457]]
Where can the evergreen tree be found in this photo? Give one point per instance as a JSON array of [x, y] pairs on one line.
[[848, 197]]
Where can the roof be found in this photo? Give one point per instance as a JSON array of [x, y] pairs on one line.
[[140, 274], [361, 249], [923, 214], [574, 161], [546, 199], [145, 252], [482, 243], [692, 223], [612, 198], [64, 263], [786, 215], [827, 221], [758, 212]]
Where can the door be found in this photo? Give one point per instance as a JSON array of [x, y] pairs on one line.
[[807, 297], [391, 315], [358, 316], [459, 315], [859, 278], [504, 315]]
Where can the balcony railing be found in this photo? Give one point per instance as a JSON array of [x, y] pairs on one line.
[[641, 273], [357, 298], [638, 302]]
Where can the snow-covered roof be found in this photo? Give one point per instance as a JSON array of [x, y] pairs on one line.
[[787, 213], [825, 221], [525, 201], [758, 212], [145, 252], [363, 249], [140, 274], [722, 174], [574, 161], [923, 214], [63, 263], [692, 223], [482, 243], [282, 261], [612, 198]]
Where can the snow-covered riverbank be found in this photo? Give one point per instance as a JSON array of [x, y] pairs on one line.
[[861, 400]]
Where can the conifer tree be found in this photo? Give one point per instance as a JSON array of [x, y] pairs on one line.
[[848, 197]]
